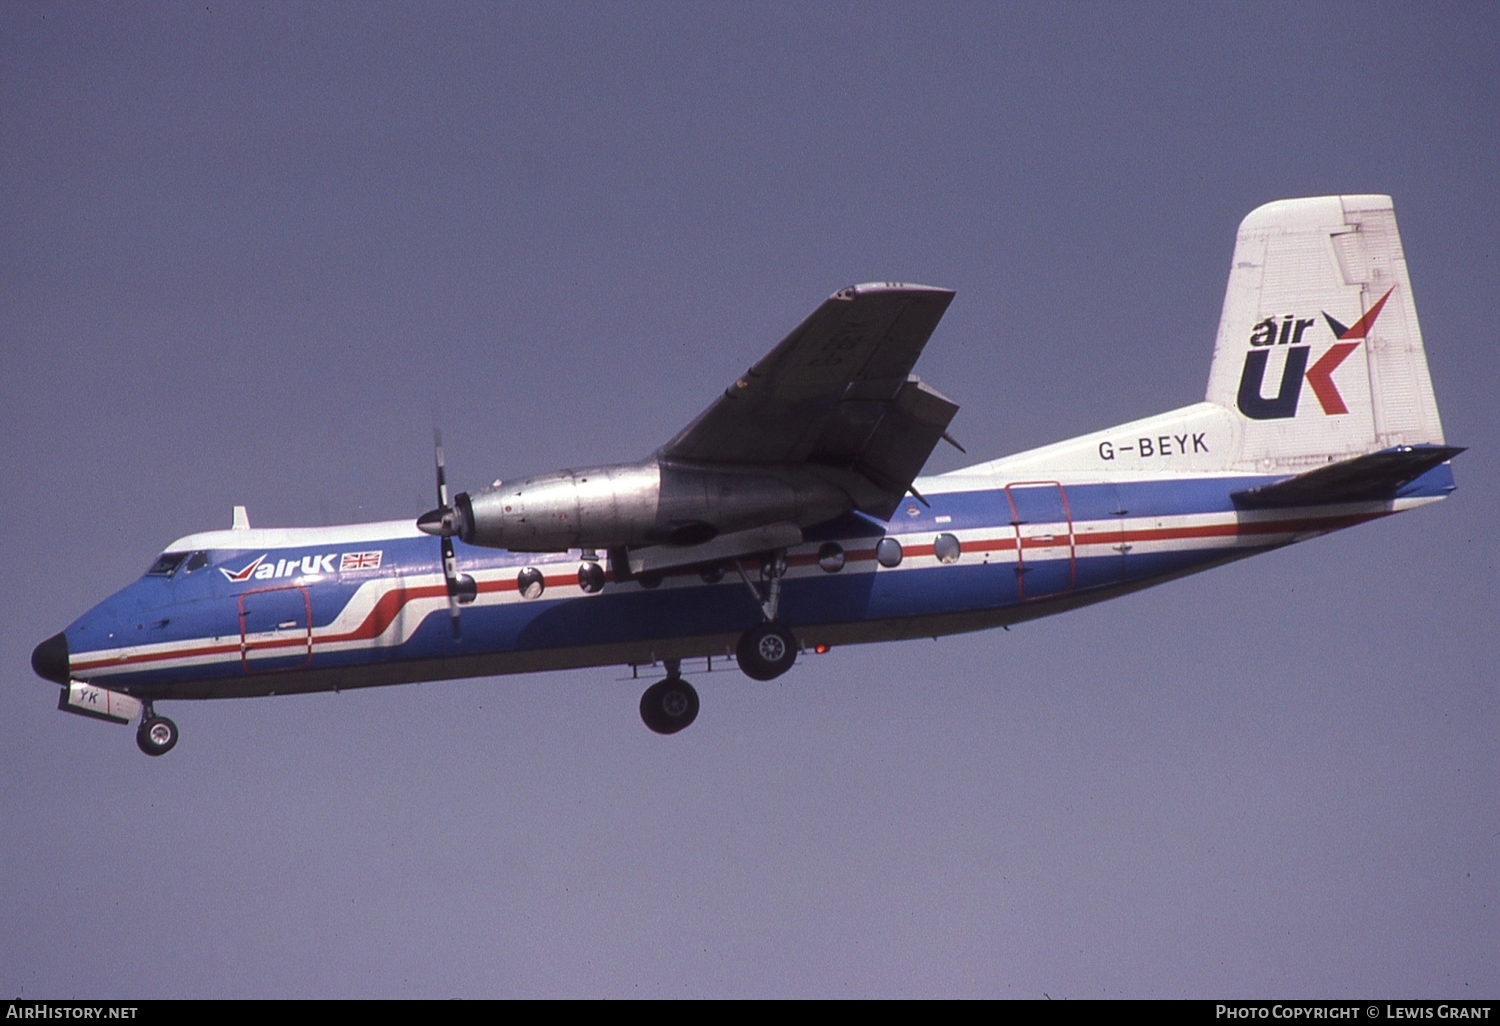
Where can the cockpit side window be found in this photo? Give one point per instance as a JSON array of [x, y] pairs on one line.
[[166, 564], [197, 561]]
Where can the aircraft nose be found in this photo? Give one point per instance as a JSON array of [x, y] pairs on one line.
[[50, 658]]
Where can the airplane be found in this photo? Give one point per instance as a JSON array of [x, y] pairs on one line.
[[789, 516]]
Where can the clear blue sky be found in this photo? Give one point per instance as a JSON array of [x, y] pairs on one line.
[[251, 253]]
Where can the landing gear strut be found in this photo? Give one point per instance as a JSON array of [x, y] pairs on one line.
[[768, 649], [670, 705], [156, 735]]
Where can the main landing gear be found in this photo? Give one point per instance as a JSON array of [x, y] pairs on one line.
[[156, 735], [768, 649], [765, 652], [670, 705]]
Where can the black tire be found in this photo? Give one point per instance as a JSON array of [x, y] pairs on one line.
[[156, 736], [766, 651], [669, 705]]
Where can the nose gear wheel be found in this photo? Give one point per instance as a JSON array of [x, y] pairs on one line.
[[156, 735]]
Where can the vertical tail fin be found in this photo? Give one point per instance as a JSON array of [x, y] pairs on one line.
[[1319, 354]]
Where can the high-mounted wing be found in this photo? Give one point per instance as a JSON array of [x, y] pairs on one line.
[[837, 393], [830, 421]]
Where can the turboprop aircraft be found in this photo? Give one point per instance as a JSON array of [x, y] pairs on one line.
[[789, 515]]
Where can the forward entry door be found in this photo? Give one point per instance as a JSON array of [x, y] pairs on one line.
[[275, 629]]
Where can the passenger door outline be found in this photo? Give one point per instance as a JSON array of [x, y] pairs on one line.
[[1036, 534], [281, 625]]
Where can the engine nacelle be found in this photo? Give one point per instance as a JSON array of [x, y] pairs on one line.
[[647, 503]]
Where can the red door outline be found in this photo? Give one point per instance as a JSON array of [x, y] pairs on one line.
[[1037, 541], [289, 641]]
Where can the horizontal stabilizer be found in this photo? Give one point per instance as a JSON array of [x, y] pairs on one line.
[[1374, 476]]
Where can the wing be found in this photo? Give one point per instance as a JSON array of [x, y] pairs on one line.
[[837, 393]]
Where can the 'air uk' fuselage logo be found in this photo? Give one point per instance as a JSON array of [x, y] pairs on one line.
[[1287, 331], [262, 569]]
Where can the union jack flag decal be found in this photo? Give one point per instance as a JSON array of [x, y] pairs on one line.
[[360, 561]]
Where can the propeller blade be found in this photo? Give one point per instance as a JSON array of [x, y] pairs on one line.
[[450, 579], [442, 475], [441, 522]]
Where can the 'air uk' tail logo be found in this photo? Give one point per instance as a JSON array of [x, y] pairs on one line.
[[1288, 332]]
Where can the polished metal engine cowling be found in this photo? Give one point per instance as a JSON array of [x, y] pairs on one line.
[[646, 503]]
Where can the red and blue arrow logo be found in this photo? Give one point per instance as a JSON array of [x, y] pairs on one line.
[[1320, 375]]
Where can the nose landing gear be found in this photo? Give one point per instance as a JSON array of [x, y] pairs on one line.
[[670, 705], [156, 735]]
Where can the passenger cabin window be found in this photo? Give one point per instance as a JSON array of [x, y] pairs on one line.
[[831, 557], [166, 564], [530, 583], [888, 552]]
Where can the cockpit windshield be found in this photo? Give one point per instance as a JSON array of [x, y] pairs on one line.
[[166, 564]]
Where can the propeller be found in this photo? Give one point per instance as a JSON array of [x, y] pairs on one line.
[[445, 522]]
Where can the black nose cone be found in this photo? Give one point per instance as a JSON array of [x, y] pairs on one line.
[[50, 659]]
